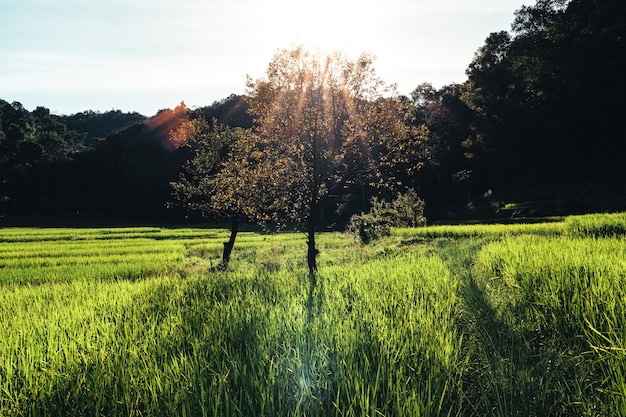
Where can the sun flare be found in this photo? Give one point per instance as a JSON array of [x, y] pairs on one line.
[[326, 25]]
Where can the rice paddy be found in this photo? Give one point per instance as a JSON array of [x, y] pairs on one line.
[[472, 320]]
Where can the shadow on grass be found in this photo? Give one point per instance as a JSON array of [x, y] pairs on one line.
[[513, 373]]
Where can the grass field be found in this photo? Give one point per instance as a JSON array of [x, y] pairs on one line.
[[472, 320]]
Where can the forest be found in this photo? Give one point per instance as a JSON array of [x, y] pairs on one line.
[[537, 129]]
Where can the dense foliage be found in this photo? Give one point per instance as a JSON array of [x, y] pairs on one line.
[[93, 126], [324, 117], [536, 129], [547, 96]]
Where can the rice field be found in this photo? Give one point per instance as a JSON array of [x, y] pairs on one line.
[[469, 320]]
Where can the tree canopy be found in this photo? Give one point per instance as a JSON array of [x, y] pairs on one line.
[[324, 116]]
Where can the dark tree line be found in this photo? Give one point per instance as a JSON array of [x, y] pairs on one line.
[[93, 126], [550, 94], [109, 164], [543, 108]]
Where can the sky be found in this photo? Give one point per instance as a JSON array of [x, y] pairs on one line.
[[148, 55]]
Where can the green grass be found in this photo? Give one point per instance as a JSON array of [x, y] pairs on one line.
[[570, 294], [472, 320], [479, 230], [594, 225]]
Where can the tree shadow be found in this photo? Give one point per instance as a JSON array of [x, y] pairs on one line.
[[315, 297], [511, 373]]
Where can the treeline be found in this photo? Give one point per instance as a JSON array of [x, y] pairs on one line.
[[540, 114], [109, 164]]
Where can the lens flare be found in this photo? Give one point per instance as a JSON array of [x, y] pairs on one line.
[[168, 124]]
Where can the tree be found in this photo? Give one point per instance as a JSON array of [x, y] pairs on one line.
[[309, 110], [220, 178]]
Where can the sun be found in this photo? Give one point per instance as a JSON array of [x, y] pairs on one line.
[[326, 25]]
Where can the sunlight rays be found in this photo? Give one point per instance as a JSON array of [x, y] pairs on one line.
[[315, 86]]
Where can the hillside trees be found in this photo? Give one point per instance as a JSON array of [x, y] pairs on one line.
[[128, 174], [34, 152], [92, 125], [326, 119], [450, 168], [17, 151], [549, 94], [231, 111], [113, 164]]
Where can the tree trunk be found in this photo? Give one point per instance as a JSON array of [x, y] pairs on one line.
[[363, 195], [228, 246], [312, 250]]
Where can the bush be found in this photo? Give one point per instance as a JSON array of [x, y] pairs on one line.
[[407, 210]]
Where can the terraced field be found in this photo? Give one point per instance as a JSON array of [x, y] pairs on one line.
[[469, 320]]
